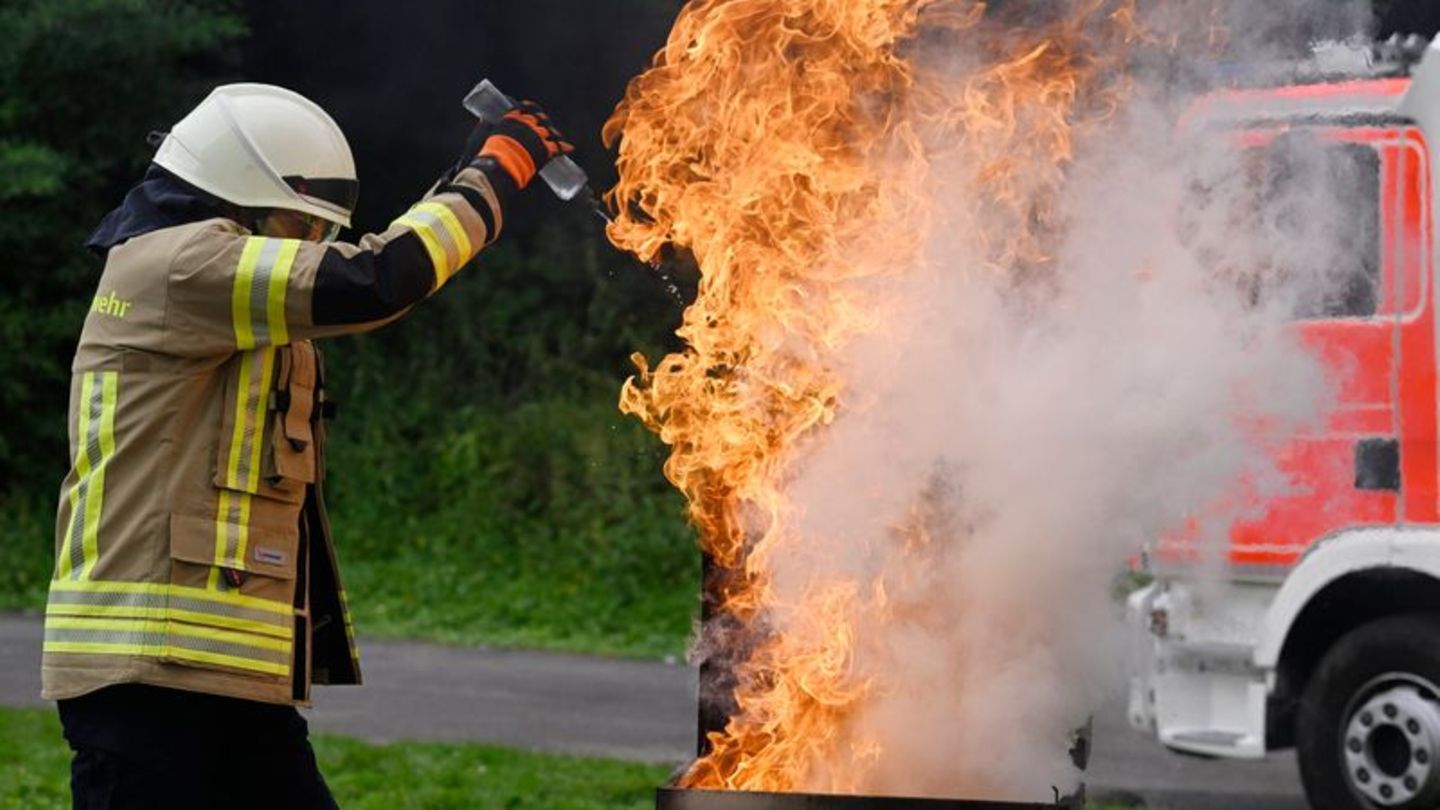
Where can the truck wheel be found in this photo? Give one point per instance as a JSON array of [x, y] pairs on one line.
[[1368, 730]]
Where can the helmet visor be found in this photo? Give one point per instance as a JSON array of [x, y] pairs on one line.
[[338, 191]]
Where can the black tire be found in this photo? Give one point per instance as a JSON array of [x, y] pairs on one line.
[[1408, 643]]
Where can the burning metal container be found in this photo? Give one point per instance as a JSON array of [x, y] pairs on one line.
[[717, 680], [680, 799]]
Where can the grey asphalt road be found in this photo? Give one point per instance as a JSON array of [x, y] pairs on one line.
[[644, 711]]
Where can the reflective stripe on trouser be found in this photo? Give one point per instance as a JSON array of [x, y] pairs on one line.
[[444, 237], [99, 392], [169, 622], [257, 303]]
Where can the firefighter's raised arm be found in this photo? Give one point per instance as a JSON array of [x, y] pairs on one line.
[[268, 275], [371, 282]]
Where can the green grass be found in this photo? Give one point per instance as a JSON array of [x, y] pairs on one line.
[[429, 775], [34, 768], [34, 760]]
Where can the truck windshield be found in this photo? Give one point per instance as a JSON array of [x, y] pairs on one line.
[[1293, 224]]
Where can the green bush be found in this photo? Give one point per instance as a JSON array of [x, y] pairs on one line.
[[27, 549], [81, 82], [547, 525]]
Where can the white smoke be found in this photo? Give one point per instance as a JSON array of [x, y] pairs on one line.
[[1042, 430]]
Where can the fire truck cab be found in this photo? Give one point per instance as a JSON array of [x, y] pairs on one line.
[[1321, 630]]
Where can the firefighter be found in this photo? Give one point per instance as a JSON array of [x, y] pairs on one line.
[[196, 594]]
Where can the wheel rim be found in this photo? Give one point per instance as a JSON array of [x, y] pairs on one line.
[[1391, 736]]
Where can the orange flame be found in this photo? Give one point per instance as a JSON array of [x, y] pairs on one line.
[[792, 147]]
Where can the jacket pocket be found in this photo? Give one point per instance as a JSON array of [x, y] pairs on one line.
[[232, 590], [291, 463]]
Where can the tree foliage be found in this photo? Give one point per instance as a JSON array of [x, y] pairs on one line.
[[81, 82]]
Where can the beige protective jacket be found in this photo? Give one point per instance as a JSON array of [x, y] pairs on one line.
[[192, 545]]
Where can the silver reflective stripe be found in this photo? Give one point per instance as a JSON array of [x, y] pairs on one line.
[[254, 377], [105, 599], [255, 388], [442, 235], [260, 288], [231, 527], [159, 601], [212, 645], [130, 638]]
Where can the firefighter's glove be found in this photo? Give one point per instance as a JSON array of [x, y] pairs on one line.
[[523, 142]]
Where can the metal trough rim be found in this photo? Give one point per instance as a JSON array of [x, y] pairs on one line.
[[672, 798]]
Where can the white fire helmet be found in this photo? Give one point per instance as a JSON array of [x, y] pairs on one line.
[[261, 146]]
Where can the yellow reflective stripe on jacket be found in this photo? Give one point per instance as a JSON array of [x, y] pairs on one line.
[[443, 235], [229, 517], [431, 241], [258, 310], [168, 639], [67, 564], [257, 302], [151, 626], [109, 394], [254, 379], [163, 613], [256, 376], [114, 592], [150, 647], [257, 406], [232, 532], [99, 392], [451, 223], [171, 622]]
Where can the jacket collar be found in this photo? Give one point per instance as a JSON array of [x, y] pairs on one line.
[[159, 200]]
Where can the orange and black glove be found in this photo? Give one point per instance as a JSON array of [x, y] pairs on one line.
[[523, 142]]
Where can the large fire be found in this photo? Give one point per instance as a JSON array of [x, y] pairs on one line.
[[792, 147]]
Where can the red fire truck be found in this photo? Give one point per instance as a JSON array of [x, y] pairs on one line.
[[1322, 632]]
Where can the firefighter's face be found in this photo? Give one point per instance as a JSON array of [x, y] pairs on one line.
[[285, 224]]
